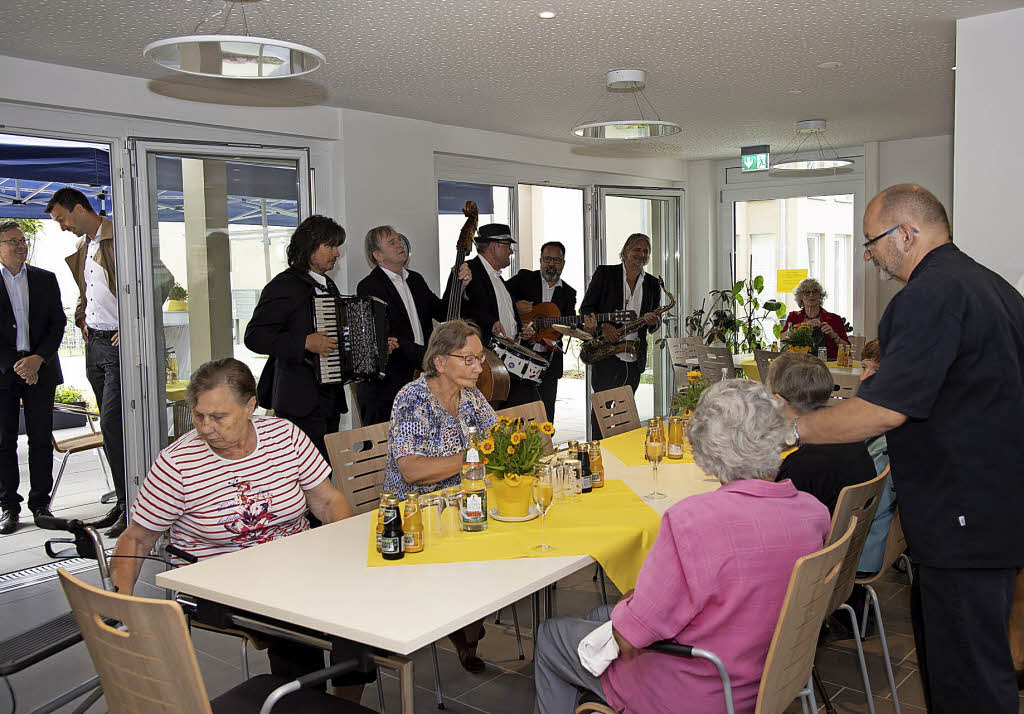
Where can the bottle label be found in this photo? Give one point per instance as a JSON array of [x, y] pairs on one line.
[[474, 508], [379, 536], [596, 477], [412, 542], [472, 455], [675, 449], [391, 545], [588, 481]]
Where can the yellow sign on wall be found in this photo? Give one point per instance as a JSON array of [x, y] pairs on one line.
[[787, 280]]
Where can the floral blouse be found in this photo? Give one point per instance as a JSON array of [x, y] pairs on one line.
[[421, 426]]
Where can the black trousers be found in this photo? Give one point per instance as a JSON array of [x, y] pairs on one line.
[[961, 628], [520, 391], [292, 660], [609, 374], [38, 401], [548, 389], [103, 370], [319, 423]]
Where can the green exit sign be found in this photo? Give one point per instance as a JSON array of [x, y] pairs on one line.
[[754, 158]]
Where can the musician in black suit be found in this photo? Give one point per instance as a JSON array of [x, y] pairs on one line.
[[32, 324], [622, 287], [412, 309], [487, 301], [529, 287], [282, 327]]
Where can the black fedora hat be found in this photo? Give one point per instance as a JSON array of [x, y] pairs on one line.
[[499, 232]]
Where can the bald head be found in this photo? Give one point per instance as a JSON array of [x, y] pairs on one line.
[[913, 204], [901, 225]]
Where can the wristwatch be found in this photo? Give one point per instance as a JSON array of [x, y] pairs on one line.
[[793, 438]]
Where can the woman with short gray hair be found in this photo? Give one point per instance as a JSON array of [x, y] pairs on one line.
[[829, 329], [717, 574]]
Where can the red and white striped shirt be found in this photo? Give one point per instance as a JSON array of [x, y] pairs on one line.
[[214, 505]]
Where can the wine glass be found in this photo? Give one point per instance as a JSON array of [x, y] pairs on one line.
[[654, 452], [543, 491]]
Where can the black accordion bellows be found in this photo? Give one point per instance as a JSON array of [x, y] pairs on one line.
[[359, 324]]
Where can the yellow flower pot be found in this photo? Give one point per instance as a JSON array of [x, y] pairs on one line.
[[799, 348], [177, 305], [513, 494]]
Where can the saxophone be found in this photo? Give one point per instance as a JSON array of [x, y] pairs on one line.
[[599, 348]]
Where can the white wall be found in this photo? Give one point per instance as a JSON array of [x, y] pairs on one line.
[[988, 152]]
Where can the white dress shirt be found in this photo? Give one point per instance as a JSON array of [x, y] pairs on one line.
[[506, 309], [631, 300], [17, 291], [321, 282], [399, 281], [547, 293], [100, 303]]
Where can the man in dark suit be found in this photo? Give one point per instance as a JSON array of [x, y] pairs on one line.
[[282, 327], [412, 309], [530, 287], [487, 301], [622, 287], [32, 324]]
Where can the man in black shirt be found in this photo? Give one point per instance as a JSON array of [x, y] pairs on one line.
[[803, 384], [949, 395]]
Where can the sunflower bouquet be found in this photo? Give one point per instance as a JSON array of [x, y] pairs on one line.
[[685, 400], [799, 336], [513, 446]]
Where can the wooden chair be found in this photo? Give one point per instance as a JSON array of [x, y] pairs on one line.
[[358, 458], [763, 359], [895, 549], [77, 445], [858, 502], [616, 411], [149, 664], [681, 351], [532, 413], [787, 668], [715, 363], [181, 418], [857, 343], [846, 385]]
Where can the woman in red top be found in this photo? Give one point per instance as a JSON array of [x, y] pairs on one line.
[[829, 329]]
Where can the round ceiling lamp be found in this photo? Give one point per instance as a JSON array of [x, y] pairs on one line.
[[233, 56], [826, 163], [647, 124]]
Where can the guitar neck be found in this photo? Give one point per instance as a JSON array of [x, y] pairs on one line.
[[572, 320]]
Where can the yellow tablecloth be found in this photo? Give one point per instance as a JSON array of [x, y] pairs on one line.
[[612, 525], [751, 371], [629, 448], [175, 391]]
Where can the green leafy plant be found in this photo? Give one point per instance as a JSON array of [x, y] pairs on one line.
[[685, 400], [68, 395], [177, 293], [513, 447], [738, 321], [695, 322], [747, 294], [799, 336]]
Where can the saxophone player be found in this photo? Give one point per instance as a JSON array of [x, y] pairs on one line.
[[626, 286]]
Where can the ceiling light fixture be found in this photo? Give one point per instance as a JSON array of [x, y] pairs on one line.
[[546, 15], [240, 56], [628, 83], [828, 163]]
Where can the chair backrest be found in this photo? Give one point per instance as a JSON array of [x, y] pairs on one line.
[[857, 343], [846, 385], [791, 653], [147, 666], [715, 363], [859, 501], [616, 411], [532, 413], [182, 417], [764, 358], [678, 352], [358, 458], [895, 544]]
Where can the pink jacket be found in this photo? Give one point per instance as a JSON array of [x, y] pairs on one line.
[[715, 578]]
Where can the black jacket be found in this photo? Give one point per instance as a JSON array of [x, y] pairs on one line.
[[278, 328], [46, 322], [604, 294], [528, 285], [479, 303]]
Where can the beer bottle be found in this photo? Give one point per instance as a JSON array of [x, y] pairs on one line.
[[380, 515], [412, 525], [473, 505], [391, 537], [583, 454], [596, 465]]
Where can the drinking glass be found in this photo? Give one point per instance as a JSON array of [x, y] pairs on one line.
[[573, 474], [654, 452], [558, 481], [543, 491], [451, 521]]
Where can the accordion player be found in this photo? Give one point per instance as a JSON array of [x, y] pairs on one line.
[[359, 324]]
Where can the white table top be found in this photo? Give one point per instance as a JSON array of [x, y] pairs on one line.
[[319, 579]]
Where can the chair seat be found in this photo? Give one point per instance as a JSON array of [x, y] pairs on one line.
[[79, 443], [248, 697]]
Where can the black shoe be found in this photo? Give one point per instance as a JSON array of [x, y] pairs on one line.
[[40, 512], [118, 527], [8, 521], [111, 518]]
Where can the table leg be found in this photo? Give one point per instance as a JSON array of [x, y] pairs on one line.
[[406, 683]]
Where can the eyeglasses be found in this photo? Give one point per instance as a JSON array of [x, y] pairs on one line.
[[470, 360], [16, 241], [883, 235], [812, 292], [552, 261]]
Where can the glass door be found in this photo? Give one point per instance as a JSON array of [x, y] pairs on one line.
[[212, 225], [658, 214]]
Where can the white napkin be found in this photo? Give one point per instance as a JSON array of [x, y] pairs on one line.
[[598, 649]]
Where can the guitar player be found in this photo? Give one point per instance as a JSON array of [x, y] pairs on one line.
[[529, 287]]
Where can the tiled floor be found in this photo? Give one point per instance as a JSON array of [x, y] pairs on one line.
[[506, 687]]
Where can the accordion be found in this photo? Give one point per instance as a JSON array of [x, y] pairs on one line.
[[360, 326]]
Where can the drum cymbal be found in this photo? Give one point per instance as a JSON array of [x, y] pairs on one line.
[[572, 332]]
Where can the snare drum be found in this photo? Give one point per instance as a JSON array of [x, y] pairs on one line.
[[520, 361]]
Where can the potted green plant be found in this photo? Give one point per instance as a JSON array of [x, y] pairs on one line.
[[177, 299], [68, 394], [685, 400], [511, 449], [800, 338]]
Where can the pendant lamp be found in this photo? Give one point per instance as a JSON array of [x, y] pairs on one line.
[[826, 163], [627, 88]]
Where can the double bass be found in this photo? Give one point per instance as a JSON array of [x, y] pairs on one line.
[[494, 380]]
